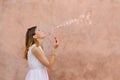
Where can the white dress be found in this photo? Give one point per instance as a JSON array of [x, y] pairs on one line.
[[37, 71]]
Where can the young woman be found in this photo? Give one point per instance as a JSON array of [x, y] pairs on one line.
[[34, 54]]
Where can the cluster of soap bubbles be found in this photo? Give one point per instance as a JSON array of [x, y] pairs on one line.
[[82, 18], [76, 20]]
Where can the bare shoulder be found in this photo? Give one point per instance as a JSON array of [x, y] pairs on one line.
[[36, 51], [35, 48]]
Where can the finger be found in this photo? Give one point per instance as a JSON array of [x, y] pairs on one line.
[[56, 41]]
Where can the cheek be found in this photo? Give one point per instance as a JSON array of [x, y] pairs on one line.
[[38, 35]]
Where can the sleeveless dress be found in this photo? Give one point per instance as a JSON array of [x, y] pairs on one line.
[[37, 71]]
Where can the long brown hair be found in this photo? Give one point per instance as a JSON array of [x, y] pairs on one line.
[[30, 40]]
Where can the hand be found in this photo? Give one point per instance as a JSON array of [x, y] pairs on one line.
[[56, 46], [56, 43]]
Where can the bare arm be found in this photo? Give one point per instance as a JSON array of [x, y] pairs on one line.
[[42, 58]]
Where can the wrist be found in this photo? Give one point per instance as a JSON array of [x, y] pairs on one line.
[[54, 49]]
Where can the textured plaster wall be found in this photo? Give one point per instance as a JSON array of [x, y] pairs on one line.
[[88, 31]]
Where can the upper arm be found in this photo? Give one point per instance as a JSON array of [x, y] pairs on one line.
[[42, 58]]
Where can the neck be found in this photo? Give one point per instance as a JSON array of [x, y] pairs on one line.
[[40, 42]]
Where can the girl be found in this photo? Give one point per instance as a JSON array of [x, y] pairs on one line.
[[34, 54]]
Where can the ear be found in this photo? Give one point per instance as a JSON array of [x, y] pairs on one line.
[[35, 36]]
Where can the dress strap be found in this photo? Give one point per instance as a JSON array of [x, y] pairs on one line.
[[41, 49], [32, 46]]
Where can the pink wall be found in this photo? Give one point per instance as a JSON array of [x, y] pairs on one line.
[[89, 45]]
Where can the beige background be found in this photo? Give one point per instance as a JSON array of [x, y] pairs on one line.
[[89, 36]]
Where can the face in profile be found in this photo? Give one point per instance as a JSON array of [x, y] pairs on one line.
[[39, 34]]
